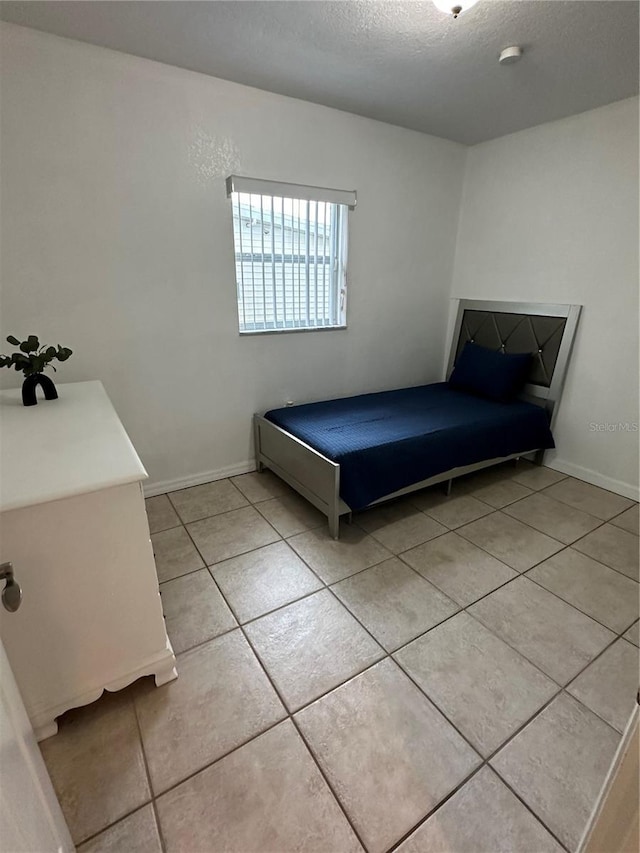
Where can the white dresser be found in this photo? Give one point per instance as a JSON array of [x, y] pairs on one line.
[[73, 523]]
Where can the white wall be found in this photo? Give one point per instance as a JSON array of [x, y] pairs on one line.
[[117, 242], [550, 214]]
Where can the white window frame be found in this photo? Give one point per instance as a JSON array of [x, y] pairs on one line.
[[271, 302]]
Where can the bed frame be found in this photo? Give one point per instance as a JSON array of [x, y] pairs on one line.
[[547, 331]]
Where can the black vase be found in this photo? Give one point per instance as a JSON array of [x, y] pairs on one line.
[[30, 385]]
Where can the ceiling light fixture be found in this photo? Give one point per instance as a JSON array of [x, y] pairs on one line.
[[454, 7]]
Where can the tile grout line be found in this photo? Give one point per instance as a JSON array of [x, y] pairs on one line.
[[297, 533], [154, 797], [205, 567], [575, 606], [193, 520], [583, 670], [613, 568], [290, 716], [389, 655], [566, 545], [563, 503], [156, 814], [242, 553], [512, 736], [220, 758], [385, 656], [436, 808], [486, 761], [483, 761], [595, 713], [521, 574], [535, 529], [555, 553], [281, 538], [540, 491], [465, 609], [559, 500], [148, 773], [561, 688], [113, 823], [608, 491], [315, 760], [148, 802], [451, 794], [422, 634], [447, 530], [457, 530], [267, 612], [530, 810], [399, 556]]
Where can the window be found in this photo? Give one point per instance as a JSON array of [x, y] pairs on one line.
[[291, 255]]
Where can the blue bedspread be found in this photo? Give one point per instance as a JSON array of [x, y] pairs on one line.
[[390, 440]]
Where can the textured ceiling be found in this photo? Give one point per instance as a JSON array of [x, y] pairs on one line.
[[399, 62]]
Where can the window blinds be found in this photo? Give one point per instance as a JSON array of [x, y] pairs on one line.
[[290, 256], [256, 186]]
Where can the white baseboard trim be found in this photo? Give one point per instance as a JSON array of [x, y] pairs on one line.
[[627, 490], [151, 489], [161, 486]]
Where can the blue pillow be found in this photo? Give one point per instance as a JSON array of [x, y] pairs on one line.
[[495, 375]]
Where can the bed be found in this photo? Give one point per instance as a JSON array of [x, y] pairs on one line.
[[351, 453]]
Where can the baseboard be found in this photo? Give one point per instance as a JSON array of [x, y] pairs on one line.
[[159, 487], [627, 490]]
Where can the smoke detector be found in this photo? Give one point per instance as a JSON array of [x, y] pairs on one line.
[[510, 55]]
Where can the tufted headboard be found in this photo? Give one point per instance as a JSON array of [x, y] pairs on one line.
[[546, 331]]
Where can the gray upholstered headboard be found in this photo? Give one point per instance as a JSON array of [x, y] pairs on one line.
[[546, 331]]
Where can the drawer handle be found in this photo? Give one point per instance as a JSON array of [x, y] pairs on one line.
[[11, 594]]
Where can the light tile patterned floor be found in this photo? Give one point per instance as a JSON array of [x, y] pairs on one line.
[[452, 675]]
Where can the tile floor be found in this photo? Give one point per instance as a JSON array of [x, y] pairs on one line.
[[453, 675]]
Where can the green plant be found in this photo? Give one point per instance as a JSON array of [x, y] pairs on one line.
[[32, 357]]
